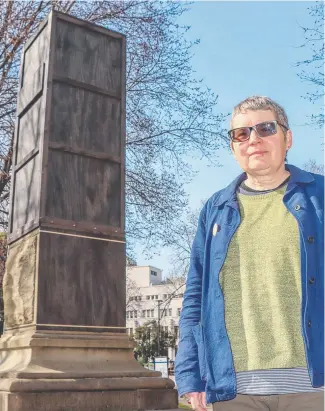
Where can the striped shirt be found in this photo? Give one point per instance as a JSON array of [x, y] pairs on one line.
[[274, 382]]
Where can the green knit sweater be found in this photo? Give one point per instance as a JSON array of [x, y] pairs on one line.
[[261, 283]]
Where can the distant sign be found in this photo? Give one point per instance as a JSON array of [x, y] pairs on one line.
[[161, 364]]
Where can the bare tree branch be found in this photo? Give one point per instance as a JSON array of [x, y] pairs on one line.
[[313, 167], [314, 74]]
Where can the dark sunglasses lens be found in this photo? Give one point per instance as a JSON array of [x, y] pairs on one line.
[[240, 134], [266, 129]]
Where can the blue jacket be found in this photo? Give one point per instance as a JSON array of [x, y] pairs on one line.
[[204, 360]]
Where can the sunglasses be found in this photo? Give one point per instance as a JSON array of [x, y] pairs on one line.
[[265, 129]]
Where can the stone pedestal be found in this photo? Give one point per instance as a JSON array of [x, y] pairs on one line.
[[65, 346], [78, 371]]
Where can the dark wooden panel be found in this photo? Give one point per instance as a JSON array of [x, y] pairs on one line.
[[85, 119], [83, 189], [82, 152], [86, 86], [33, 69], [32, 90], [87, 56], [81, 281], [86, 228], [26, 194], [29, 130], [34, 55]]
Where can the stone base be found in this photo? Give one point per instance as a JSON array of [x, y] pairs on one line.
[[79, 371], [142, 399], [30, 354]]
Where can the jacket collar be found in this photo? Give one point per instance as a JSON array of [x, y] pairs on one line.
[[297, 176]]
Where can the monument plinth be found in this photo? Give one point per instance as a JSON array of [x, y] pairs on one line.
[[65, 345]]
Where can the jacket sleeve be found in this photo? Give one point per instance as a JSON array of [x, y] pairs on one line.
[[187, 371]]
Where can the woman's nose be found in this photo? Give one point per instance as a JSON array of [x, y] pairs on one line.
[[254, 137]]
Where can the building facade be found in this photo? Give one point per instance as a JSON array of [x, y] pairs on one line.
[[149, 298]]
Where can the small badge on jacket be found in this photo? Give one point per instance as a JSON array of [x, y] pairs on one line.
[[216, 228]]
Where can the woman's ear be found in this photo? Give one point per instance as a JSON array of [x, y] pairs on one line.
[[289, 139]]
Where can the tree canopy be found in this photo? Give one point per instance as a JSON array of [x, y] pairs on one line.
[[170, 115], [149, 345]]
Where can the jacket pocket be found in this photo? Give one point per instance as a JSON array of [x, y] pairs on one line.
[[198, 336]]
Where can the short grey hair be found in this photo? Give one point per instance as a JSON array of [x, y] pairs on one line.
[[255, 103]]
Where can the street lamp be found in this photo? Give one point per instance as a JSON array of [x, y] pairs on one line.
[[158, 337]]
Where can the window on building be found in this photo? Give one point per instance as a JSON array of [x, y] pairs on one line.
[[127, 315], [139, 298], [131, 331], [179, 295], [176, 329], [170, 312], [154, 273], [156, 297], [148, 313], [178, 311], [131, 314], [143, 313], [135, 314], [164, 296], [152, 313], [148, 297]]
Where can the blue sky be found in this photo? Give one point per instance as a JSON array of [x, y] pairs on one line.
[[249, 48]]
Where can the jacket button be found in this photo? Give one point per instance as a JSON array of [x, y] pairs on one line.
[[310, 239], [309, 323], [311, 280], [297, 207]]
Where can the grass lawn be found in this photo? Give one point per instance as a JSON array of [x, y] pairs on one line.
[[184, 407]]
